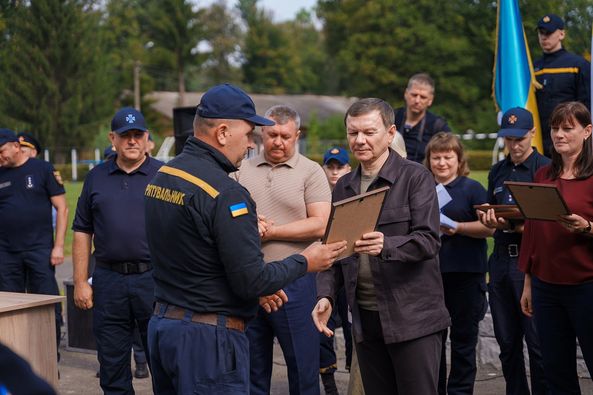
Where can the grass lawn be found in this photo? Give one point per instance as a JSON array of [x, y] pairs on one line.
[[72, 192]]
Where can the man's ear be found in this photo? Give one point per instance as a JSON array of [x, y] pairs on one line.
[[221, 134], [111, 137]]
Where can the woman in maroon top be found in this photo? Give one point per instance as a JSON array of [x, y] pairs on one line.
[[557, 257]]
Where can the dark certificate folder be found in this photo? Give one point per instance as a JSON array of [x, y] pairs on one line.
[[351, 218], [538, 201]]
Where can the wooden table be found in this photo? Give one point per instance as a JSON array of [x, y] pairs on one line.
[[28, 327]]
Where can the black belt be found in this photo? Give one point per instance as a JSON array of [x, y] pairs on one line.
[[126, 267], [511, 250]]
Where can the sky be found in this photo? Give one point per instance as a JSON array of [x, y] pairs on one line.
[[282, 9]]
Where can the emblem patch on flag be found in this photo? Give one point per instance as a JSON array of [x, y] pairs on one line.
[[238, 209]]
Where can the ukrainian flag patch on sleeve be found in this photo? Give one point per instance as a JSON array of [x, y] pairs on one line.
[[238, 209]]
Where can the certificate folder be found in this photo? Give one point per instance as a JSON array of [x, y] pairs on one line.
[[351, 218], [508, 211], [538, 201]]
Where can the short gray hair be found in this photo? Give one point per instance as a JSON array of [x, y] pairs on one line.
[[282, 114]]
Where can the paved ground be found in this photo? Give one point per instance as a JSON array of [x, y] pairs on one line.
[[78, 369]]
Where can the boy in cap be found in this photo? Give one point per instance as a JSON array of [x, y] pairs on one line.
[[335, 164], [110, 214], [29, 253], [506, 280], [563, 75]]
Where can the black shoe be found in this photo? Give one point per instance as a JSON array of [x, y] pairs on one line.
[[141, 371], [329, 384]]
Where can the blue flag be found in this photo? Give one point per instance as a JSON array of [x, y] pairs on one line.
[[514, 82]]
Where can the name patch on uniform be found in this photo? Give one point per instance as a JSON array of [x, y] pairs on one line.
[[164, 194], [498, 190], [5, 184], [238, 209]]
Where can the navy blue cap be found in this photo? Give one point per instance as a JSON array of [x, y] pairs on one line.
[[27, 140], [229, 102], [128, 118], [516, 122], [7, 136], [109, 152], [336, 153], [550, 23]]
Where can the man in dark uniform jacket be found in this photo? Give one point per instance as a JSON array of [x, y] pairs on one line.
[[29, 188], [203, 236], [416, 124], [506, 280], [110, 213], [393, 282], [563, 76]]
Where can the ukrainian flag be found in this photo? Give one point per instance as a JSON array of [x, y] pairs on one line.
[[238, 209], [514, 82]]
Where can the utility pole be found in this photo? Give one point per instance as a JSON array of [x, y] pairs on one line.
[[137, 85]]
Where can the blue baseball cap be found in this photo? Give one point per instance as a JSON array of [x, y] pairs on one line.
[[550, 23], [128, 118], [516, 122], [229, 102], [27, 140], [7, 136], [338, 154]]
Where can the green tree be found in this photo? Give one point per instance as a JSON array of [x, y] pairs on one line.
[[175, 28], [223, 36], [59, 86]]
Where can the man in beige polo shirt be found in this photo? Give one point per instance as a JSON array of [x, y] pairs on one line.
[[293, 199]]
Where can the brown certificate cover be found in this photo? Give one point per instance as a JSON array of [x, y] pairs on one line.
[[508, 211], [351, 218], [538, 201]]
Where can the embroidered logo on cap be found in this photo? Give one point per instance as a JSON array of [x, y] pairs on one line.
[[512, 119], [334, 151], [546, 19], [130, 118]]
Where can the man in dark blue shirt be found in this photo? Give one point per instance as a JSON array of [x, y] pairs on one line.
[[563, 76], [204, 241], [416, 124], [110, 213], [506, 281], [28, 252]]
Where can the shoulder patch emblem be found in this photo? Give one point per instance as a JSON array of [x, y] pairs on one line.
[[238, 209]]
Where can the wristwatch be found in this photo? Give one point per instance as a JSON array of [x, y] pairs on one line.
[[587, 229]]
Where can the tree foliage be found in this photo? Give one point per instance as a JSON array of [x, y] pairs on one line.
[[58, 83]]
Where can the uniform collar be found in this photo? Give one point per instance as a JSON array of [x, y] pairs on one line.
[[113, 167], [527, 163], [556, 54], [197, 147], [453, 183], [261, 160]]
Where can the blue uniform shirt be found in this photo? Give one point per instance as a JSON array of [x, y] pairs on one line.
[[418, 136], [564, 77], [461, 253], [203, 237], [111, 208], [498, 193], [25, 205]]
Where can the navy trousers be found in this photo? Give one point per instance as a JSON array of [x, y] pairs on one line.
[[511, 326], [562, 314], [121, 301], [195, 358], [327, 354], [31, 271], [297, 335], [465, 298]]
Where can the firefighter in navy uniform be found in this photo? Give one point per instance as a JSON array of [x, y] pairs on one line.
[[506, 280], [204, 240], [563, 76]]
